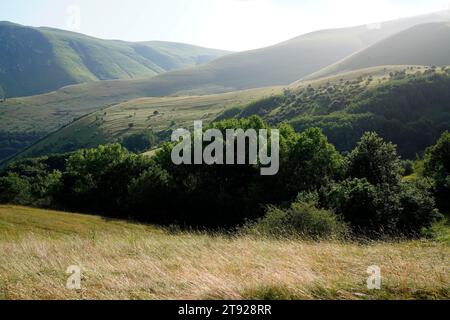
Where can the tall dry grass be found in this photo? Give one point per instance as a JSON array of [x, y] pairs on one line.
[[126, 261]]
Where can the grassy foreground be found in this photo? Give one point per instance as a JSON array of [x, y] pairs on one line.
[[122, 260]]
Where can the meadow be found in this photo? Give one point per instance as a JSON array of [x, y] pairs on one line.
[[124, 260]]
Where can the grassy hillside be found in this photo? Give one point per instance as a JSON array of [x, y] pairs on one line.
[[111, 123], [427, 44], [59, 58], [122, 260], [161, 115], [410, 107], [291, 60]]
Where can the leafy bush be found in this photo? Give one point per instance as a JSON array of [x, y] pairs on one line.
[[97, 180], [14, 189], [302, 219], [309, 163], [403, 209], [139, 142], [418, 210], [375, 160], [437, 166], [357, 201], [150, 196], [408, 167]]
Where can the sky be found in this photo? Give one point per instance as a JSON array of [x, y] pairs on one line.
[[234, 25]]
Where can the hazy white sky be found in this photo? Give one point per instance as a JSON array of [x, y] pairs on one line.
[[226, 24]]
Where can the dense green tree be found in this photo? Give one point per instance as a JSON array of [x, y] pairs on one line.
[[418, 208], [399, 209], [14, 189], [357, 201], [311, 162], [437, 166], [375, 160], [152, 196], [97, 179]]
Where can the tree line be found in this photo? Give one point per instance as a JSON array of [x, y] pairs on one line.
[[318, 190]]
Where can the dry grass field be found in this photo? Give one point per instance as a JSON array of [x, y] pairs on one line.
[[122, 260]]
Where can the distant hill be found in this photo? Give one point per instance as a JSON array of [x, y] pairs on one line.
[[285, 62], [426, 44], [58, 58], [38, 60]]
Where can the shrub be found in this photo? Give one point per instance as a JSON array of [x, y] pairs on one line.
[[437, 166], [302, 219], [14, 189], [417, 207], [403, 209], [408, 167], [357, 201], [375, 160]]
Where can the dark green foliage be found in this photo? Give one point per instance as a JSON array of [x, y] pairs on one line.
[[437, 166], [375, 160], [373, 198], [417, 207], [152, 197], [33, 181], [403, 209], [408, 167], [14, 189], [301, 219], [315, 187], [359, 202], [140, 142], [97, 180], [412, 111], [310, 163]]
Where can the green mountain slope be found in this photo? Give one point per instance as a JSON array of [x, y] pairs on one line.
[[427, 44], [410, 107], [283, 63], [38, 60], [163, 114], [160, 115], [59, 58]]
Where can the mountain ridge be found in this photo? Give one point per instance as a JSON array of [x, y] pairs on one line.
[[59, 58], [424, 44]]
